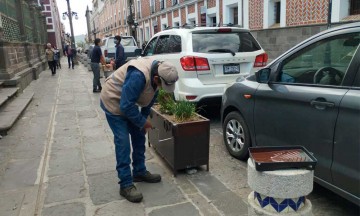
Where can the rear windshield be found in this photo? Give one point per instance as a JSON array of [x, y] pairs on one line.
[[128, 41], [234, 41]]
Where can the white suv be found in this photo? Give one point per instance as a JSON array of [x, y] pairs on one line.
[[207, 58]]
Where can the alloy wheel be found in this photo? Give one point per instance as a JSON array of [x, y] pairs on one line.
[[235, 135]]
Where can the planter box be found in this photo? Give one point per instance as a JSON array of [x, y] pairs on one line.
[[182, 145]]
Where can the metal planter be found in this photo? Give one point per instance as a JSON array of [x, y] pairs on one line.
[[182, 145]]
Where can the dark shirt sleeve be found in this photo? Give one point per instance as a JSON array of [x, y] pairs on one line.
[[134, 85], [119, 56], [145, 111]]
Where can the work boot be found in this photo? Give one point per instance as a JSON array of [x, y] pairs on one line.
[[131, 194], [148, 177]]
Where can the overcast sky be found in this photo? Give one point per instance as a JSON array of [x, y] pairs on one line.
[[78, 6]]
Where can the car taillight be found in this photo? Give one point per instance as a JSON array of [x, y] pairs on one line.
[[193, 63], [105, 53], [261, 60]]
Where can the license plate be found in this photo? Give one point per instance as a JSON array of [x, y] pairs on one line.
[[231, 69]]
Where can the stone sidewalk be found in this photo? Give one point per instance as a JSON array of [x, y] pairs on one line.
[[60, 160]]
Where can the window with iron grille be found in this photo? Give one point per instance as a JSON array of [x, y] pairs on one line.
[[152, 6], [354, 7], [152, 9], [174, 2], [162, 4]]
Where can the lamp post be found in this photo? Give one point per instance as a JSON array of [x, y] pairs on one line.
[[70, 14]]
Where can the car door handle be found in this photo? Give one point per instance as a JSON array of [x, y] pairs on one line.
[[321, 104]]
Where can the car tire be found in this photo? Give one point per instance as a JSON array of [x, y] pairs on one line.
[[236, 136]]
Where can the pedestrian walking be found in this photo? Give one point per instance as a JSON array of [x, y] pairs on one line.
[[134, 85], [119, 52], [96, 58], [69, 52], [57, 57], [50, 53], [144, 45]]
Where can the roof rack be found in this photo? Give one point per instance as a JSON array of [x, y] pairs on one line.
[[191, 26]]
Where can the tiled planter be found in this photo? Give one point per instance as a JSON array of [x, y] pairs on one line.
[[280, 192]]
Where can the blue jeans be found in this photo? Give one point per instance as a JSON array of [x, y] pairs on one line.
[[71, 60], [122, 128], [95, 67]]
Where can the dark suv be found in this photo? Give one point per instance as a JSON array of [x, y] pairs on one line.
[[309, 96]]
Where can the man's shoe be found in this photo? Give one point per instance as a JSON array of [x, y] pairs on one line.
[[148, 177], [131, 194]]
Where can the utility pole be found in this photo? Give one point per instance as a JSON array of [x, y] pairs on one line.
[[71, 26]]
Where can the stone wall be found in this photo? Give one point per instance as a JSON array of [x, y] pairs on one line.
[[22, 42]]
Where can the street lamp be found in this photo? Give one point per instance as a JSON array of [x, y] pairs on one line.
[[73, 14], [131, 21], [70, 14]]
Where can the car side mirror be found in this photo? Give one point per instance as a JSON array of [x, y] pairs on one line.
[[263, 75]]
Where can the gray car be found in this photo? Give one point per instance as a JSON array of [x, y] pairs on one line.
[[309, 96]]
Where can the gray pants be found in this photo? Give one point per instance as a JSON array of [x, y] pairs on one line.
[[95, 67]]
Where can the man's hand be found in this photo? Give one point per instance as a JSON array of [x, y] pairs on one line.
[[147, 126]]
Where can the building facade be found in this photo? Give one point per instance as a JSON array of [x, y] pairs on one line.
[[151, 16], [53, 22], [22, 42]]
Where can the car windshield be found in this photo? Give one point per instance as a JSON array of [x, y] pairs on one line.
[[230, 42]]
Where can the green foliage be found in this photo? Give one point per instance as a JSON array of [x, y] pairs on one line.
[[80, 44], [184, 110], [166, 102]]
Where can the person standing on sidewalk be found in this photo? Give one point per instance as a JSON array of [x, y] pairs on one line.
[[96, 58], [119, 52], [69, 52], [50, 54], [134, 85], [57, 57]]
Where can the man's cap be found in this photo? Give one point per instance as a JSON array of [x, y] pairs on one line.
[[168, 75]]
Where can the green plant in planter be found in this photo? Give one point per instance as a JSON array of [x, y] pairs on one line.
[[166, 102], [184, 110]]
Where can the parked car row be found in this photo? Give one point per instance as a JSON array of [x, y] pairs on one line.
[[309, 96]]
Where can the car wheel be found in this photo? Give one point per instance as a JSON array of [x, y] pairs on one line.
[[236, 135]]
